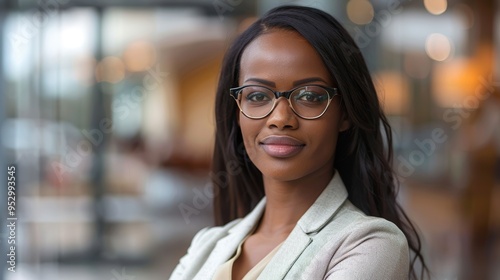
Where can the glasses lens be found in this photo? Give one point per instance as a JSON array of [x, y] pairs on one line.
[[309, 101], [256, 101]]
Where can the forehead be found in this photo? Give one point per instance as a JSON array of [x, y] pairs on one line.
[[281, 56]]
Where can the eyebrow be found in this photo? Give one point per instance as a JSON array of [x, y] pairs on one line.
[[295, 83]]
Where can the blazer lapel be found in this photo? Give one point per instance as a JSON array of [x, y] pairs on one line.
[[315, 218], [325, 206], [226, 247], [286, 256]]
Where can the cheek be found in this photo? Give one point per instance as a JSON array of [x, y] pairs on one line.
[[249, 131], [328, 136], [327, 139]]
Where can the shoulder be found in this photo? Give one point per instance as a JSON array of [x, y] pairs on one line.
[[376, 244], [213, 244], [201, 247], [362, 222], [352, 245], [352, 225]]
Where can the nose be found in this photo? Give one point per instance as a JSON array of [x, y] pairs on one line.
[[282, 116]]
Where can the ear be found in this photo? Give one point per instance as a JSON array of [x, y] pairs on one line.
[[345, 124]]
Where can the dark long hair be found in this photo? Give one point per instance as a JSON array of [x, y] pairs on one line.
[[361, 159]]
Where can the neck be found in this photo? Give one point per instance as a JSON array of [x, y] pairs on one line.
[[286, 202]]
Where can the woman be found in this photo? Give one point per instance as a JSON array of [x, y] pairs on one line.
[[309, 192]]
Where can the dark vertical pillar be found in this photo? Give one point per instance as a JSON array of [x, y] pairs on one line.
[[98, 166], [481, 159]]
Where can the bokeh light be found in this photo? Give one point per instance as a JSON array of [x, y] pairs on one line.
[[360, 11], [436, 7], [110, 69], [393, 91], [456, 81], [438, 47], [139, 56]]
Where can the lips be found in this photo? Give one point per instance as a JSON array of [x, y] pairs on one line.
[[281, 146]]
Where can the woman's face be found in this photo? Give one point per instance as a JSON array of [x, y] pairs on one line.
[[283, 146]]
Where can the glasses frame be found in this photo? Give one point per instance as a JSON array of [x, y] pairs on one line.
[[235, 93]]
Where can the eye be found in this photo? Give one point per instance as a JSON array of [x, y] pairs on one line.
[[310, 96], [257, 96]]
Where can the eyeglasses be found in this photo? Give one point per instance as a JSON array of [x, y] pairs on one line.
[[308, 102]]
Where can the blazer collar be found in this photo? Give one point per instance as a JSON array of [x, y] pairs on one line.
[[226, 246], [250, 220], [325, 206], [315, 218]]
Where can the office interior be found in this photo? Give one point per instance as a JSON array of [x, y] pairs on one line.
[[107, 112]]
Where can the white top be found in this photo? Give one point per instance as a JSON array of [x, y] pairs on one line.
[[224, 272]]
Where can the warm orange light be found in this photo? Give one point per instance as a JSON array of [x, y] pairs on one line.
[[454, 81], [393, 92], [139, 56], [110, 69], [360, 11], [436, 7]]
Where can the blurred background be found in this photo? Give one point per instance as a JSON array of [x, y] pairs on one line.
[[107, 111]]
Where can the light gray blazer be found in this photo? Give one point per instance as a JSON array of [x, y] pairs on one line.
[[332, 240]]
